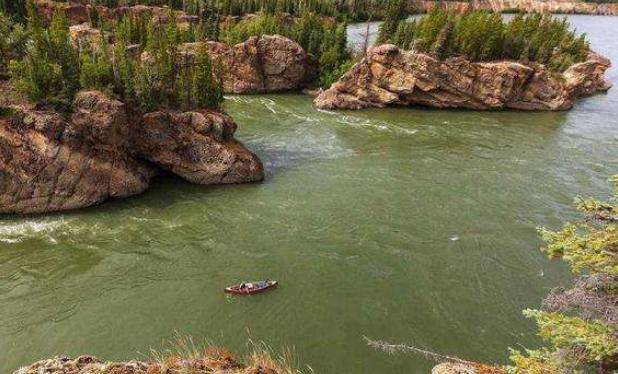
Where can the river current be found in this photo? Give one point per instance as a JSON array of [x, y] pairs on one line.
[[406, 225]]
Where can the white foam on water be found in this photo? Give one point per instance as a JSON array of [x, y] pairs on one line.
[[18, 231]]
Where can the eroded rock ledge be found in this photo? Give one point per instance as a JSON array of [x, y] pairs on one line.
[[390, 76], [50, 163]]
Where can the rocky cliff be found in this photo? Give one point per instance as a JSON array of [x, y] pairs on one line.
[[540, 6], [390, 76], [258, 65], [49, 162]]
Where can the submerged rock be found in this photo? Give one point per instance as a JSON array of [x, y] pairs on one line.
[[391, 76], [269, 63], [49, 162]]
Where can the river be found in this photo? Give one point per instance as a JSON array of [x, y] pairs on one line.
[[406, 225]]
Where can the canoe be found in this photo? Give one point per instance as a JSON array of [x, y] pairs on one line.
[[251, 288]]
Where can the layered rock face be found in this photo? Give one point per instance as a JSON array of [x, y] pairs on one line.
[[390, 76], [52, 163], [265, 64], [539, 6]]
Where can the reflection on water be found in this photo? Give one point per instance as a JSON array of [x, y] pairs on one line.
[[406, 225]]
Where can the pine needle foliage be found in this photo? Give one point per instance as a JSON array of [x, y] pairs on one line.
[[485, 36], [578, 344], [148, 75], [325, 39]]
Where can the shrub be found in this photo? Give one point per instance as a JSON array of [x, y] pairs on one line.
[[13, 38], [50, 68], [484, 36]]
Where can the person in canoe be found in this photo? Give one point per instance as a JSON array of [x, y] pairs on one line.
[[251, 287]]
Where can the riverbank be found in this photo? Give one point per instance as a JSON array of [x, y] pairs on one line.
[[511, 6], [196, 361]]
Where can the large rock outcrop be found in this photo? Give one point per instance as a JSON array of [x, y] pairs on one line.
[[49, 162], [390, 76], [258, 65], [539, 6]]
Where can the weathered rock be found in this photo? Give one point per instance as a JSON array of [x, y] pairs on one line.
[[50, 163], [465, 368], [390, 76], [266, 64], [198, 146], [83, 33], [587, 78], [538, 6]]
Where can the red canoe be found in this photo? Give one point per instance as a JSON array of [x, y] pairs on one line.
[[250, 288]]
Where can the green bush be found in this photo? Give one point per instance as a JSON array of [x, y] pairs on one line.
[[484, 36], [325, 39], [579, 343], [49, 70], [13, 38]]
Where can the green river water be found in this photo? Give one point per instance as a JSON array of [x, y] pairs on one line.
[[405, 225]]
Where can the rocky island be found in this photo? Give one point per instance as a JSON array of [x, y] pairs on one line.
[[473, 60]]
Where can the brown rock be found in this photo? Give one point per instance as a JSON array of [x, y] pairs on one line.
[[50, 163], [390, 76], [465, 367], [265, 64], [84, 33], [198, 146], [587, 78]]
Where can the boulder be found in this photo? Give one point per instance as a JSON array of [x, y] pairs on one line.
[[466, 367], [198, 146], [265, 64], [83, 33], [388, 75], [50, 162]]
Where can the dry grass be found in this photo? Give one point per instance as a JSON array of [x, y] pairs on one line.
[[187, 357]]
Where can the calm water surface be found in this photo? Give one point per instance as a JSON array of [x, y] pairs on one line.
[[405, 225]]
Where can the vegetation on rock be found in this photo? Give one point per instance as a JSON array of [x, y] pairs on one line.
[[323, 38], [485, 36], [580, 341], [353, 10], [52, 69], [580, 325]]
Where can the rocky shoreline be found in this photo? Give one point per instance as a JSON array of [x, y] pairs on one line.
[[539, 6], [388, 75], [51, 162], [211, 360]]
